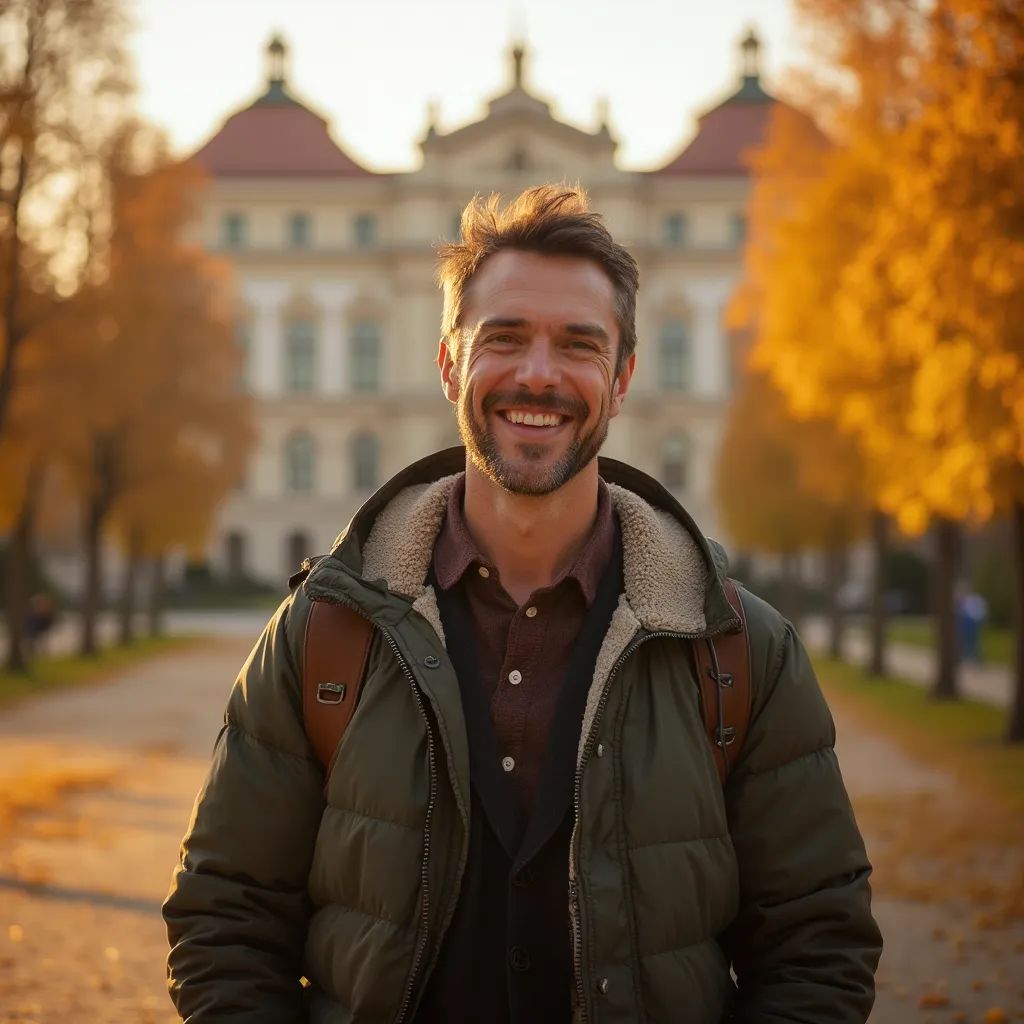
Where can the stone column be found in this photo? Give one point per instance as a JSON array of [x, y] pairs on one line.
[[707, 298], [333, 298], [266, 298]]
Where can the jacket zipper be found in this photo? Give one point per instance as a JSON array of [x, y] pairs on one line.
[[421, 944], [574, 888]]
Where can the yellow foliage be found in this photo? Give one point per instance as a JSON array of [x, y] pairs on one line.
[[783, 484], [891, 286]]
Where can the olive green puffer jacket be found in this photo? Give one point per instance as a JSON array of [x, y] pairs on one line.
[[295, 901]]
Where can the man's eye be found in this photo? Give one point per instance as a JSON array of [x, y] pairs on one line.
[[587, 346], [504, 339]]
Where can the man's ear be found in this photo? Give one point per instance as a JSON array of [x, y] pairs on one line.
[[449, 371], [621, 385]]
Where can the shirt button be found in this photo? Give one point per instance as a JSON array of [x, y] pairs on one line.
[[531, 612], [519, 959], [515, 677], [508, 763], [484, 571]]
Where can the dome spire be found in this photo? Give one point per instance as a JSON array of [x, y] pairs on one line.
[[277, 54], [518, 56], [750, 56]]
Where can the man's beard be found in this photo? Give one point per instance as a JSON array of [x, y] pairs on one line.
[[484, 452]]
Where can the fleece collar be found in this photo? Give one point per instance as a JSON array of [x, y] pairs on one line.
[[672, 576]]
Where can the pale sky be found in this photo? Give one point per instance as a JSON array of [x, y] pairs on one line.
[[372, 67]]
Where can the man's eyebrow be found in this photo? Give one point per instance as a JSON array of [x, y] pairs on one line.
[[588, 331], [500, 321], [580, 330]]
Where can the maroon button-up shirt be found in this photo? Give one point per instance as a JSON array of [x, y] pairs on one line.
[[523, 651]]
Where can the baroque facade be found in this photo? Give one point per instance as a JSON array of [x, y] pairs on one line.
[[338, 310]]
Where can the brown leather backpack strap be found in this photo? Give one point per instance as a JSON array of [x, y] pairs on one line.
[[727, 683], [337, 646]]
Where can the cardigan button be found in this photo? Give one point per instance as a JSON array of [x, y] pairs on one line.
[[600, 750], [602, 986]]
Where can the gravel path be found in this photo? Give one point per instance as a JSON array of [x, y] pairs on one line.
[[110, 773]]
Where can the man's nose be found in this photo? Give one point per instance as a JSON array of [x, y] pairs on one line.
[[538, 366]]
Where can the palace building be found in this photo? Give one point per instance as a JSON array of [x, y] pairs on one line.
[[339, 313]]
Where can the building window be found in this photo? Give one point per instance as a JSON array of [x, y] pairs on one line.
[[235, 556], [675, 452], [675, 356], [299, 463], [675, 229], [366, 229], [300, 230], [297, 549], [300, 356], [234, 230], [365, 462], [365, 353], [738, 228]]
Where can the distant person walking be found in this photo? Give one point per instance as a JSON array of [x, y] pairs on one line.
[[971, 614]]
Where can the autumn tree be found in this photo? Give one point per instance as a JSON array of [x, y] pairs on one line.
[[62, 91], [786, 486], [924, 295], [162, 429]]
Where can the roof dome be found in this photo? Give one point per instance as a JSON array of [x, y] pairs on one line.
[[276, 135], [727, 132]]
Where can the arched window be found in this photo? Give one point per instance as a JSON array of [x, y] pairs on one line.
[[299, 463], [235, 555], [300, 356], [365, 357], [297, 548], [675, 457], [675, 229], [675, 356], [365, 462], [365, 229], [300, 229]]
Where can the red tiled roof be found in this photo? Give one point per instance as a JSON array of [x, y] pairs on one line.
[[283, 139], [725, 135]]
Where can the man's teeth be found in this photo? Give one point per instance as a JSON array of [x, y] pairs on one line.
[[531, 419]]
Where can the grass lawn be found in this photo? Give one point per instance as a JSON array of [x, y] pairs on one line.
[[49, 673], [996, 644], [964, 736]]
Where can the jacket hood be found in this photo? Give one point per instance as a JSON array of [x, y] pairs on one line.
[[673, 575]]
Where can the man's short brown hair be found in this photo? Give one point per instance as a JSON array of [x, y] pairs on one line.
[[554, 220]]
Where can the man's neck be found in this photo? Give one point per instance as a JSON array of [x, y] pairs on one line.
[[531, 539]]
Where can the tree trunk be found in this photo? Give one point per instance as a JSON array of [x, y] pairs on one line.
[[879, 585], [1015, 728], [790, 591], [835, 577], [128, 589], [156, 595], [19, 557], [19, 564], [92, 590], [947, 565]]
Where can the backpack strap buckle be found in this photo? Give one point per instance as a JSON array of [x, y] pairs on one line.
[[330, 693]]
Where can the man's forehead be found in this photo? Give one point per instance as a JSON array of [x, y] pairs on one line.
[[514, 283]]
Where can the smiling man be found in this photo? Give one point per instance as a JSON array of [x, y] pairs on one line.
[[526, 819]]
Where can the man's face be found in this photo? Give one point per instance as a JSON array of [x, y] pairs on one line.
[[533, 380]]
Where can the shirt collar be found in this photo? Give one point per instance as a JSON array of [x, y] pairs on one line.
[[455, 551]]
